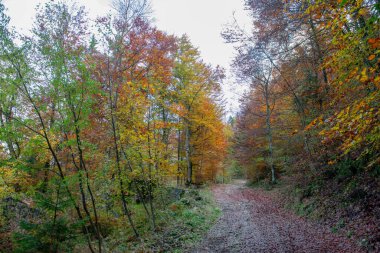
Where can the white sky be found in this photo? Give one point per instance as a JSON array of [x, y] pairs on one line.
[[202, 20]]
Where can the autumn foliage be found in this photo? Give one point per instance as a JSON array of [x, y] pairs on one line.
[[92, 122], [313, 71], [311, 113]]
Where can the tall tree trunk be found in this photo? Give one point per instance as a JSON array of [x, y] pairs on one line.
[[318, 50], [87, 177], [119, 174], [300, 109], [269, 132], [9, 143], [150, 181], [113, 105], [179, 155], [188, 153]]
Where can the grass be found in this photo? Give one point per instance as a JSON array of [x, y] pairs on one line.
[[180, 225], [265, 184]]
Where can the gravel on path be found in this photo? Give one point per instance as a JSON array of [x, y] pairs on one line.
[[252, 222]]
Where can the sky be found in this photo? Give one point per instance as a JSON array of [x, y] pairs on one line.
[[201, 20]]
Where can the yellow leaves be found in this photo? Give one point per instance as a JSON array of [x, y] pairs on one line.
[[363, 76], [353, 125], [9, 177], [368, 75], [352, 107], [135, 174], [362, 11], [163, 125]]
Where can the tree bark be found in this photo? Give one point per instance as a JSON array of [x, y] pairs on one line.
[[189, 177]]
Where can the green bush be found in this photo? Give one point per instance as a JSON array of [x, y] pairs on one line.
[[51, 236]]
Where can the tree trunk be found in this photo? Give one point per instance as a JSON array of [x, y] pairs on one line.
[[269, 132], [179, 156], [188, 154]]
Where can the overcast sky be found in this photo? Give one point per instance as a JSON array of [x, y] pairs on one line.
[[202, 20]]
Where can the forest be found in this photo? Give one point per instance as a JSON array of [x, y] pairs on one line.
[[115, 137]]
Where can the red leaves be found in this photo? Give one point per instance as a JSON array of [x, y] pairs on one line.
[[254, 221]]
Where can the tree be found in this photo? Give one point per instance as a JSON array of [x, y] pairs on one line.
[[193, 82], [90, 123]]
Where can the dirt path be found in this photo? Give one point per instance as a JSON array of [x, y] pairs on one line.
[[251, 222]]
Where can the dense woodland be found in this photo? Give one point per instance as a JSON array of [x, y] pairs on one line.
[[313, 71], [311, 116], [103, 122], [92, 121]]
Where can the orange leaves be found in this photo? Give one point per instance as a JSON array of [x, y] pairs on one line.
[[374, 43], [165, 93], [164, 125], [352, 114], [209, 139], [314, 123], [334, 83]]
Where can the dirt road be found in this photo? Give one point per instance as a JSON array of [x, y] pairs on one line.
[[251, 222]]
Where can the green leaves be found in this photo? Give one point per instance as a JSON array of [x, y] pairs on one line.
[[85, 128], [342, 2]]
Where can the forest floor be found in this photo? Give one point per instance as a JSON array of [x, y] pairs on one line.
[[252, 221]]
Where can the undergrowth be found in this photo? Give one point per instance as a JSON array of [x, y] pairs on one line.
[[179, 226]]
